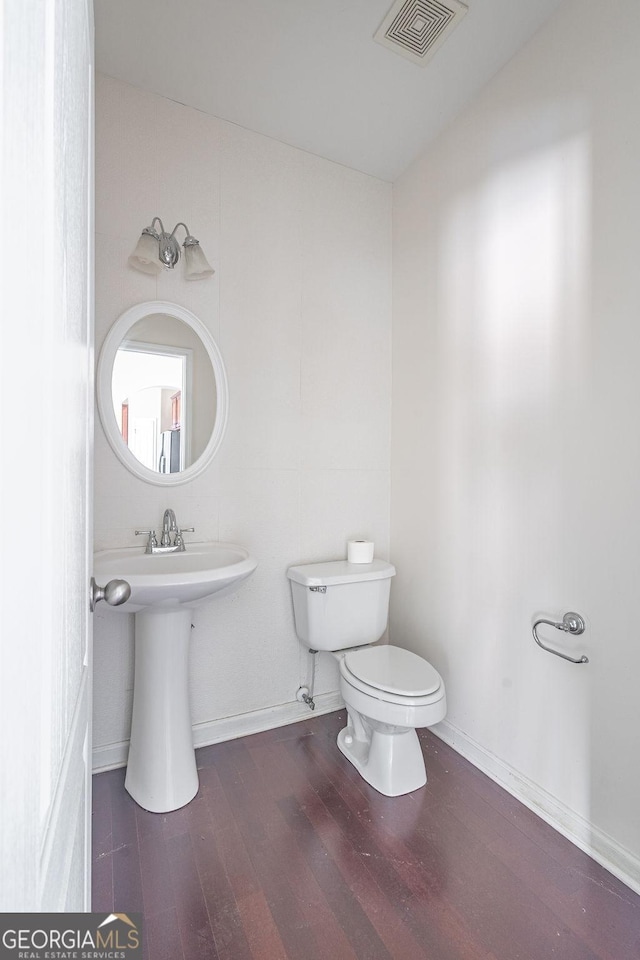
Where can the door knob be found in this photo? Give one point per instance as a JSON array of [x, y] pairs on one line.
[[115, 593]]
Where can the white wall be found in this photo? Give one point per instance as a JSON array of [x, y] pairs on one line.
[[300, 307], [516, 450]]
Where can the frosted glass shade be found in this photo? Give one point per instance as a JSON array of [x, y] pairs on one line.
[[145, 255], [196, 266]]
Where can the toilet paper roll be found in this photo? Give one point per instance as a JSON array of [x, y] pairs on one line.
[[360, 551]]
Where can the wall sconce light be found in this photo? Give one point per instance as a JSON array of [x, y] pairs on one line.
[[157, 250]]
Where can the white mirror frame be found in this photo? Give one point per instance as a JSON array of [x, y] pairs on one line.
[[113, 341]]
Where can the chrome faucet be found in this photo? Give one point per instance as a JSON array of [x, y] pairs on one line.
[[169, 526]]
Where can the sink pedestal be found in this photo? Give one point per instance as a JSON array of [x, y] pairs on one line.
[[161, 769]]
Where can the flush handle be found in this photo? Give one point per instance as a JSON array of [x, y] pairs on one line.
[[115, 592]]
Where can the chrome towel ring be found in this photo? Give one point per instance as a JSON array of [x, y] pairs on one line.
[[570, 623]]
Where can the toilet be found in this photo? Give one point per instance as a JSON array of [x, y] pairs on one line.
[[342, 608]]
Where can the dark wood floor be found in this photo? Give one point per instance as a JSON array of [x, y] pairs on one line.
[[287, 853]]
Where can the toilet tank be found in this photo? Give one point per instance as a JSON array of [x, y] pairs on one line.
[[339, 604]]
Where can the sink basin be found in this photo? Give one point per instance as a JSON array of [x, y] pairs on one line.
[[174, 579]]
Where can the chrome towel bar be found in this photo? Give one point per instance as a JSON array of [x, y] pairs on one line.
[[570, 623]]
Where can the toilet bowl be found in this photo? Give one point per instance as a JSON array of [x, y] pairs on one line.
[[342, 608], [388, 693]]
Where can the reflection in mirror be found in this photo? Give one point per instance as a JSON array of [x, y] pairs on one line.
[[162, 392], [148, 386]]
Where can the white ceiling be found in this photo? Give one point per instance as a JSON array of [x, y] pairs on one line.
[[308, 72]]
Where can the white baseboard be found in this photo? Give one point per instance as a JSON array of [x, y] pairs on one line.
[[113, 755], [602, 848]]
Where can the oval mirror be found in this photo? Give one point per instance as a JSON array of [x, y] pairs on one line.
[[162, 392]]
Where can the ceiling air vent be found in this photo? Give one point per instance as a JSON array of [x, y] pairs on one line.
[[416, 28]]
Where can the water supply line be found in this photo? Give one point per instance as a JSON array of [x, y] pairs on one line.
[[305, 693]]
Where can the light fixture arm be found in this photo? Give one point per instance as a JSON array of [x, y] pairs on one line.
[[189, 240], [151, 231], [181, 224]]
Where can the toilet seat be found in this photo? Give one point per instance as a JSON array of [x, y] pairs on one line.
[[392, 674]]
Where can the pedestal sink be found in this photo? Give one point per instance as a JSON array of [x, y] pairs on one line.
[[161, 769]]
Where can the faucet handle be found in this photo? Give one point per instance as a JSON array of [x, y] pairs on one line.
[[152, 541], [178, 541]]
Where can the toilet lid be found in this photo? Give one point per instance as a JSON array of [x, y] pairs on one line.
[[393, 670]]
